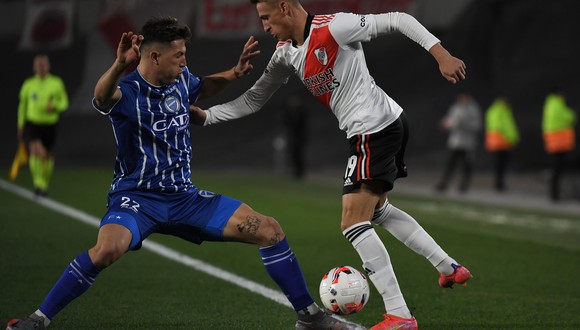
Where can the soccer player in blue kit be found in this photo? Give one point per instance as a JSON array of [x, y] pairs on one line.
[[151, 191]]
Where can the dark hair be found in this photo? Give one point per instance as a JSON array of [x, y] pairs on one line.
[[164, 30]]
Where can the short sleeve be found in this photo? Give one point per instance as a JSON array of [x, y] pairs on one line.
[[194, 86]]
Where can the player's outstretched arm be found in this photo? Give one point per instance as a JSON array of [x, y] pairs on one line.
[[218, 81], [196, 115], [106, 91], [452, 68]]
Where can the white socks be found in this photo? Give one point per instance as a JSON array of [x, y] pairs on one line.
[[407, 230], [311, 309], [377, 263], [46, 319]]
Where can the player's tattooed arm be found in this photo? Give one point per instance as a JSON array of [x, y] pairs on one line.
[[197, 115]]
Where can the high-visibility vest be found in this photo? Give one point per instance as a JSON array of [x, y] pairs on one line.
[[495, 141], [501, 132], [558, 125], [36, 94]]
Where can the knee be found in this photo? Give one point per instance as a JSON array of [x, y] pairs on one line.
[[270, 232], [105, 254], [350, 216]]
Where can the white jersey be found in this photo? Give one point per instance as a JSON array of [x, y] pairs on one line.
[[331, 64]]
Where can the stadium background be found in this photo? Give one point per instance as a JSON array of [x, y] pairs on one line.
[[517, 47]]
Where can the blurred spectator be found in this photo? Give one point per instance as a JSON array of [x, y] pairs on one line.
[[501, 136], [295, 121], [463, 122], [43, 98], [559, 136]]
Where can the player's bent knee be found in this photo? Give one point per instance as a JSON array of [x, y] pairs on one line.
[[105, 254], [251, 227], [273, 232]]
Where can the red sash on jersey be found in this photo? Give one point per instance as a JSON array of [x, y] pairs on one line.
[[319, 65]]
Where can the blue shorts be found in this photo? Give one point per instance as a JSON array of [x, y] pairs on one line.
[[194, 215]]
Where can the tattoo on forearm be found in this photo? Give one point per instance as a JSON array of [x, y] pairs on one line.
[[251, 225]]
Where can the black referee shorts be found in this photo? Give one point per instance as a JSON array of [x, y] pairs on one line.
[[378, 156], [45, 133]]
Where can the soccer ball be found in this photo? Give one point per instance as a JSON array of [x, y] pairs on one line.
[[344, 290]]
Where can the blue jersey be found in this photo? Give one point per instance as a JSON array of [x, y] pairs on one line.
[[151, 128]]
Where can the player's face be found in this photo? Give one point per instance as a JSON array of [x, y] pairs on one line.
[[274, 20], [171, 61]]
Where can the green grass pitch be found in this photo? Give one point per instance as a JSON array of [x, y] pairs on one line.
[[526, 276]]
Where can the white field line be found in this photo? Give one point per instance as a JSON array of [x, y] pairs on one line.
[[498, 217], [156, 248]]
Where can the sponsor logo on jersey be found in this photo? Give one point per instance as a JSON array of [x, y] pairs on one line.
[[321, 55], [321, 83], [172, 104], [179, 122], [347, 182]]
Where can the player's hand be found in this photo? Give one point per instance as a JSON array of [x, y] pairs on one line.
[[196, 115], [249, 52], [128, 49], [451, 68]]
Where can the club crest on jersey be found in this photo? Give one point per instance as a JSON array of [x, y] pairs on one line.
[[172, 104], [206, 194], [321, 55]]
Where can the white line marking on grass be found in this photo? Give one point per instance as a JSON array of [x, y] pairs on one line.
[[500, 217], [156, 248]]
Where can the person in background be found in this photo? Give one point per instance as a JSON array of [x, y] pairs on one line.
[[43, 98], [501, 136], [296, 124], [559, 135], [463, 122]]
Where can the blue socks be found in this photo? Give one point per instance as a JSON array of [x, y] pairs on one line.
[[282, 265], [279, 260], [76, 279]]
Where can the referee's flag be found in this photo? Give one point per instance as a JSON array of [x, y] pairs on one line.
[[21, 158]]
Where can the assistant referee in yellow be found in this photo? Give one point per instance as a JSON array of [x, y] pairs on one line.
[[43, 98]]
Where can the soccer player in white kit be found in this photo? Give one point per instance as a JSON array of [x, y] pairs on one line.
[[325, 52]]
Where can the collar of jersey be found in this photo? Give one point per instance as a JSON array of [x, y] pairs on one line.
[[306, 28]]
